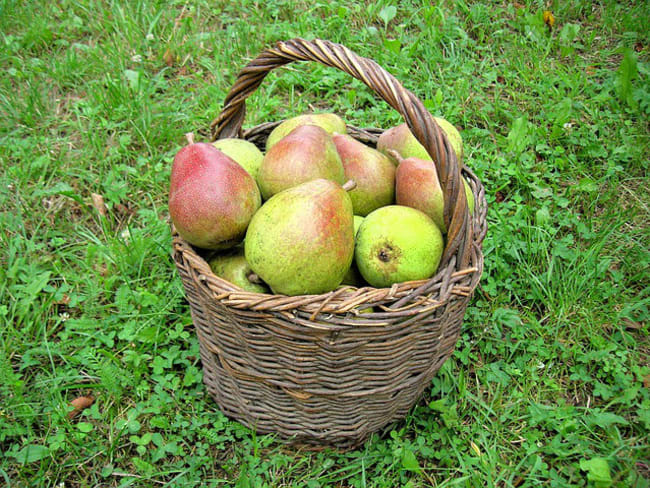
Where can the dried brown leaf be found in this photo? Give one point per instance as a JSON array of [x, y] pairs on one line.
[[168, 57], [79, 404], [630, 324], [123, 210], [98, 203]]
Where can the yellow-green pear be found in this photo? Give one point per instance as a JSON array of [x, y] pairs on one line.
[[401, 139], [353, 277], [470, 197], [243, 152], [357, 223], [232, 266], [331, 123], [301, 241]]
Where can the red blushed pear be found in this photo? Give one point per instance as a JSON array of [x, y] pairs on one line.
[[191, 159], [372, 171], [417, 186], [211, 198], [307, 153]]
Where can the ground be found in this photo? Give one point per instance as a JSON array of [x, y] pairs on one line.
[[549, 384]]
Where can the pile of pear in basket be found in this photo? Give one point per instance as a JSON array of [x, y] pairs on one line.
[[328, 268]]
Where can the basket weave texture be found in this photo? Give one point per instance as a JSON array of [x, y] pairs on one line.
[[322, 369]]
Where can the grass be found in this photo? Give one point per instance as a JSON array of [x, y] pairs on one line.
[[549, 384]]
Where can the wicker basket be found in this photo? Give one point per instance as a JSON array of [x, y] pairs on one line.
[[313, 368]]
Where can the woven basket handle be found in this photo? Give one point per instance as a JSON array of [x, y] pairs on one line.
[[419, 120]]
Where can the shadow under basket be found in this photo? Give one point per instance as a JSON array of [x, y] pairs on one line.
[[332, 369]]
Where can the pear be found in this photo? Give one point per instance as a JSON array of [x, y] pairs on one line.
[[301, 241], [372, 171], [243, 152], [331, 123], [232, 266], [470, 197], [353, 277], [454, 138], [306, 153], [211, 197], [402, 140], [396, 244], [417, 186], [357, 223]]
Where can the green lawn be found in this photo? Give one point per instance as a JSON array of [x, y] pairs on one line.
[[550, 381]]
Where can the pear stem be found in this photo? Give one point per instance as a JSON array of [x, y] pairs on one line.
[[349, 185], [394, 154], [254, 278], [189, 137]]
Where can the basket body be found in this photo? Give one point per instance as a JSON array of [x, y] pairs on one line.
[[326, 370], [334, 368]]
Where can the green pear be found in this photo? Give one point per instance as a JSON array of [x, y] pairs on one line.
[[364, 311], [396, 244], [233, 267], [331, 123], [244, 152], [301, 240], [454, 137], [306, 153], [470, 197], [357, 223], [353, 277], [372, 171], [401, 139], [417, 186]]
